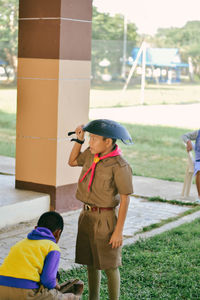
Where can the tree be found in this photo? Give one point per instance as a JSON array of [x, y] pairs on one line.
[[105, 28], [9, 32], [187, 39], [107, 40]]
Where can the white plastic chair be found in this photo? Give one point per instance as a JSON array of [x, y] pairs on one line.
[[188, 175]]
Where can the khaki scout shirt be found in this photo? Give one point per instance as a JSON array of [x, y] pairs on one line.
[[112, 176]]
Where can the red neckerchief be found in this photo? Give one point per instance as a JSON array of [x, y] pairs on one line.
[[115, 152]]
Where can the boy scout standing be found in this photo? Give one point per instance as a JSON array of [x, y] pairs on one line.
[[105, 181]]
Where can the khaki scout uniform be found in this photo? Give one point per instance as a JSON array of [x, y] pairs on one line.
[[8, 293], [113, 176]]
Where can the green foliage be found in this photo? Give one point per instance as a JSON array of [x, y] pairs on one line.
[[107, 41], [107, 35], [179, 37], [9, 31], [187, 39], [107, 27]]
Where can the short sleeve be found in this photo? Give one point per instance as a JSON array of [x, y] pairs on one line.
[[82, 157], [190, 136], [123, 180]]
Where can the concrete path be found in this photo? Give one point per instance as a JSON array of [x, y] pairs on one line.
[[169, 190]]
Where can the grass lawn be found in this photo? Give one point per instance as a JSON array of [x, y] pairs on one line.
[[7, 121], [7, 133], [157, 152], [166, 266], [111, 95]]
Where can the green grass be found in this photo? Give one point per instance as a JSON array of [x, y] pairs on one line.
[[166, 266], [111, 95], [7, 133], [157, 152], [173, 202], [7, 121]]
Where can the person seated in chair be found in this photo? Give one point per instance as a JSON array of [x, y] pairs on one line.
[[188, 138]]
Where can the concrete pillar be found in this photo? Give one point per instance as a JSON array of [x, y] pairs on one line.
[[54, 62]]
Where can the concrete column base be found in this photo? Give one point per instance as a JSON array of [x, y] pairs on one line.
[[62, 198]]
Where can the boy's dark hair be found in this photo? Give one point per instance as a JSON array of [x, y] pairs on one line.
[[113, 140], [51, 220]]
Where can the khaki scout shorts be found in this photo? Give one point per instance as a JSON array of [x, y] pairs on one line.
[[11, 293], [92, 244]]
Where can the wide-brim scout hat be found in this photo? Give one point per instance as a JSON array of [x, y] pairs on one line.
[[109, 129]]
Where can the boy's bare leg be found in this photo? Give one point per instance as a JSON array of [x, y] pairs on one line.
[[113, 277], [198, 183], [94, 280]]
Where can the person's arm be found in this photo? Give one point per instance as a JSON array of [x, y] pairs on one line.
[[117, 236], [76, 148], [188, 137], [50, 269]]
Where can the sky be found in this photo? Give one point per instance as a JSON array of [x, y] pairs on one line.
[[149, 15]]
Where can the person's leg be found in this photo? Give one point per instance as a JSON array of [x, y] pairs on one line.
[[94, 280], [12, 293], [198, 183], [113, 277], [45, 294]]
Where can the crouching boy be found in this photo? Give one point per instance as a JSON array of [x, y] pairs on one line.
[[30, 269]]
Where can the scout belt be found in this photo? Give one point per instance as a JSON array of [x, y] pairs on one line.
[[88, 207]]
